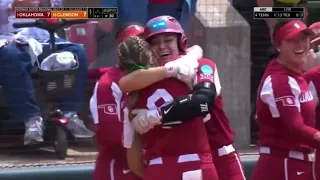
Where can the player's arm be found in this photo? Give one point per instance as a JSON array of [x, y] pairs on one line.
[[281, 93], [201, 100], [142, 78], [94, 104], [135, 157], [132, 142]]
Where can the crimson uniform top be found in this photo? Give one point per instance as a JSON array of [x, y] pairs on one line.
[[285, 110], [217, 124], [313, 79], [190, 137], [105, 106]]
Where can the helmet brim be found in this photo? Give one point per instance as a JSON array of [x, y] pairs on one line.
[[162, 32]]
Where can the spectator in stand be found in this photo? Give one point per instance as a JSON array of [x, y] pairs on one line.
[[16, 80]]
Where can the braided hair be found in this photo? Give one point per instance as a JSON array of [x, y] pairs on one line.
[[135, 53]]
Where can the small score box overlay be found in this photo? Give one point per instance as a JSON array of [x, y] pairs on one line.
[[67, 13], [278, 13]]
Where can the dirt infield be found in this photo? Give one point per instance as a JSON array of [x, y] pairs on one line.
[[80, 153]]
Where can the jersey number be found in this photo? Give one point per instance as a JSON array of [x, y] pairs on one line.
[[157, 95], [151, 104], [151, 101]]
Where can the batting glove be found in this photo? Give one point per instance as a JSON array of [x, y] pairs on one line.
[[188, 65], [145, 120], [184, 69]]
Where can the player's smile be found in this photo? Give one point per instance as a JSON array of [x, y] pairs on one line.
[[165, 46], [298, 52], [300, 45], [301, 49], [165, 56]]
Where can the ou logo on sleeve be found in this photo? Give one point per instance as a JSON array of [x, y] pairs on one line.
[[206, 69], [110, 109]]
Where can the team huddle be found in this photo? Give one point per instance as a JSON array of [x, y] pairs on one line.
[[159, 112]]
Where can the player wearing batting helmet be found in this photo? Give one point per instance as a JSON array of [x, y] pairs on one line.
[[163, 105], [219, 132]]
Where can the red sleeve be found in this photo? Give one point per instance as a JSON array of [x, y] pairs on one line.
[[105, 107], [281, 93], [208, 72]]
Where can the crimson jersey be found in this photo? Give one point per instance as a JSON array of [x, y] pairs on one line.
[[105, 106], [313, 79], [285, 110], [217, 124], [190, 137]]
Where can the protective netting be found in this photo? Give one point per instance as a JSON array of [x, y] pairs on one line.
[[227, 33], [225, 36]]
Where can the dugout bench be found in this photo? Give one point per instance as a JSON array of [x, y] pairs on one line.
[[79, 172]]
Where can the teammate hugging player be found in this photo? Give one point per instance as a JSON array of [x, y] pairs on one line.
[[219, 132], [285, 109], [168, 155], [106, 104]]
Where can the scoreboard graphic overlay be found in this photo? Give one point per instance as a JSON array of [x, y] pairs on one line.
[[278, 13], [67, 13]]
